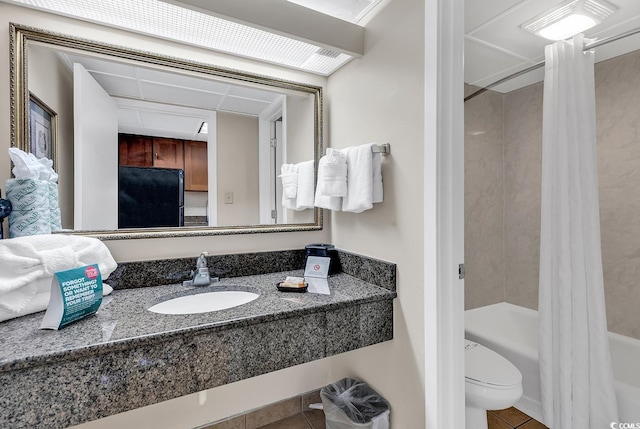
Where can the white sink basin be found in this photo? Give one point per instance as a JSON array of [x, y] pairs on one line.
[[204, 302]]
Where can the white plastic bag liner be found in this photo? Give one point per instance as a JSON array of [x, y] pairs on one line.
[[350, 403]]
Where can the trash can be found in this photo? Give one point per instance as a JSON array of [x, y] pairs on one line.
[[350, 403]]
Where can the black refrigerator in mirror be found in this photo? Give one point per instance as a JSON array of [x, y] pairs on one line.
[[150, 197]]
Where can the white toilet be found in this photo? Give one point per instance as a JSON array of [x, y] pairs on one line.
[[491, 383]]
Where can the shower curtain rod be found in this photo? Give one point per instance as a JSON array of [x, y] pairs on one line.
[[536, 66]]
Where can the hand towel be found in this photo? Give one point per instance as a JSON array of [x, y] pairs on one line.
[[306, 188], [359, 179], [322, 201], [289, 176], [332, 180], [23, 260]]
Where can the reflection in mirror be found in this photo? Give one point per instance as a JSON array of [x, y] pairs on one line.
[[200, 146]]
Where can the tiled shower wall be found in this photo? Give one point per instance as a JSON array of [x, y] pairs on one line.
[[502, 232], [483, 200]]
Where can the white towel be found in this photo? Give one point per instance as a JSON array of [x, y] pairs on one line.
[[289, 176], [322, 201], [40, 301], [23, 260], [332, 180], [360, 172], [306, 188], [304, 194]]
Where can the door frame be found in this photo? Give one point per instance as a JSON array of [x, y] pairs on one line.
[[444, 214]]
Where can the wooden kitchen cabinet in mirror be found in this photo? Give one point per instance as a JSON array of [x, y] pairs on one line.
[[135, 151], [195, 166], [168, 153], [223, 120]]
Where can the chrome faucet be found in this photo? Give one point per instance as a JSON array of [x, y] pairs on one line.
[[201, 276]]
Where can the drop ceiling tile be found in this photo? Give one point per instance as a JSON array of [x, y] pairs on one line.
[[128, 117], [256, 94], [161, 121], [192, 82], [521, 81], [176, 95], [117, 85], [243, 105], [477, 13], [506, 33], [108, 67], [482, 62]]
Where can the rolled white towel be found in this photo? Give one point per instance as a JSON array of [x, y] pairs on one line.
[[23, 260], [332, 179]]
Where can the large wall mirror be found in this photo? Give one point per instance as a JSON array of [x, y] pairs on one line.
[[207, 142]]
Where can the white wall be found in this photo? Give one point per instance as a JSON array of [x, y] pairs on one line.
[[54, 86], [379, 98], [237, 161]]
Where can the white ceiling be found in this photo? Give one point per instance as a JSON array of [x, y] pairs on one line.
[[496, 46], [164, 104]]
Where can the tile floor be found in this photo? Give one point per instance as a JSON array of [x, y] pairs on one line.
[[512, 418], [292, 413]]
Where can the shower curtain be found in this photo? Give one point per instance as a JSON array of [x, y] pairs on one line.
[[575, 364]]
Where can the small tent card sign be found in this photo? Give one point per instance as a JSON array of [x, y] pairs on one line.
[[75, 294], [316, 272]]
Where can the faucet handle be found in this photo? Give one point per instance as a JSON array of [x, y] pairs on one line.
[[202, 260]]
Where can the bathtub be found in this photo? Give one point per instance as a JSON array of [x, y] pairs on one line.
[[512, 331]]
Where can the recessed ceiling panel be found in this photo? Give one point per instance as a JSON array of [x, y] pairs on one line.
[[347, 10], [170, 21]]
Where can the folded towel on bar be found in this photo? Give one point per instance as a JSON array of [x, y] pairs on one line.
[[322, 201], [360, 178], [332, 180], [24, 260], [289, 176], [304, 193]]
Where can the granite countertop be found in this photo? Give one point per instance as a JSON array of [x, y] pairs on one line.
[[123, 320]]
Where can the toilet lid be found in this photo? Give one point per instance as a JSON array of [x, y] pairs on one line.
[[484, 366]]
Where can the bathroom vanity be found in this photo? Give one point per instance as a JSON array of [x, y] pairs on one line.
[[127, 357]]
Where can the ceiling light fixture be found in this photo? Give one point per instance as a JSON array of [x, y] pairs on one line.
[[168, 21], [569, 18]]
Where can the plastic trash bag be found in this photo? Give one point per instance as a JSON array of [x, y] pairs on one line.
[[350, 403]]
